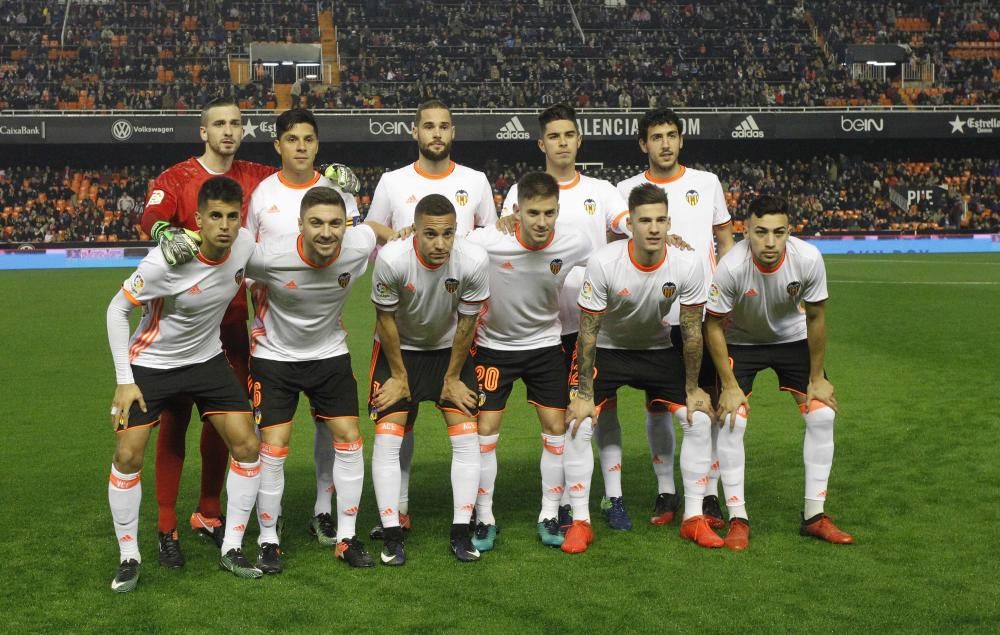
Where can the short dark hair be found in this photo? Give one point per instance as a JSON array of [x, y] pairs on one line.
[[646, 194], [220, 188], [291, 117], [536, 185], [658, 117], [321, 195], [430, 104], [218, 102], [433, 205], [767, 204], [557, 112]]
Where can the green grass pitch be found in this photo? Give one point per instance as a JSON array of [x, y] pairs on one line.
[[913, 353]]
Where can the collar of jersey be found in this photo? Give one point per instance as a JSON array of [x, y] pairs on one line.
[[569, 185], [214, 263], [635, 263], [298, 186], [305, 259], [652, 179], [428, 175], [517, 234], [425, 265]]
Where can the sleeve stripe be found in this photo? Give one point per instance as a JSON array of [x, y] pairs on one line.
[[592, 312], [716, 313], [721, 225], [474, 301], [131, 298]]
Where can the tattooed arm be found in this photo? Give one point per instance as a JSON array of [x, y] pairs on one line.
[[697, 399], [582, 405], [454, 389]]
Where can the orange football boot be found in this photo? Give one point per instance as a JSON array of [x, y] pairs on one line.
[[696, 529], [578, 537], [821, 526], [738, 536]]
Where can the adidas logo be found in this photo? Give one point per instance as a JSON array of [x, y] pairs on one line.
[[412, 199], [624, 293], [273, 209], [468, 507], [558, 489], [507, 265], [291, 285], [409, 287], [822, 494], [657, 460], [240, 528], [748, 129], [387, 511], [615, 468], [702, 481], [752, 293], [715, 465], [127, 538], [733, 499], [483, 492], [266, 516], [195, 290], [577, 487], [352, 511], [513, 130]]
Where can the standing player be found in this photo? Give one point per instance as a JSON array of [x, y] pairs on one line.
[[699, 215], [767, 309], [593, 208], [301, 282], [624, 340], [273, 215], [395, 200], [176, 352], [428, 292], [519, 338]]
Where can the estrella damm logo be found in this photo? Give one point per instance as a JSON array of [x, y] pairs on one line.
[[451, 285], [343, 280], [590, 206], [239, 276], [556, 265], [669, 289], [692, 197], [462, 197], [793, 288]]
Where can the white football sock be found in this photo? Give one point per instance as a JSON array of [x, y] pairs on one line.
[[464, 470], [817, 453], [242, 486], [732, 462], [272, 487], [349, 477], [323, 458], [405, 461], [385, 471], [487, 478], [660, 434], [608, 434], [696, 459], [553, 479], [578, 463], [712, 489], [124, 498]]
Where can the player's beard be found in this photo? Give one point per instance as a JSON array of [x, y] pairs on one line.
[[431, 155], [225, 151]]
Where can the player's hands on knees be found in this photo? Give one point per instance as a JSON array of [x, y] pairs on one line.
[[342, 176], [403, 232], [675, 240], [506, 224], [731, 400], [178, 245], [698, 399], [455, 391], [580, 408], [121, 403], [821, 390], [392, 391]]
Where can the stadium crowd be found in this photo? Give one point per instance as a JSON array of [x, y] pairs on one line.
[[827, 194], [172, 54]]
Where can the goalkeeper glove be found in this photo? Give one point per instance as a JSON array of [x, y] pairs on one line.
[[342, 176], [178, 245]]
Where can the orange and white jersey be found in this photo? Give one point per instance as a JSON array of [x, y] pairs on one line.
[[182, 306], [298, 303], [525, 282], [426, 298], [765, 306], [398, 191], [697, 206], [635, 300], [590, 207], [274, 206]]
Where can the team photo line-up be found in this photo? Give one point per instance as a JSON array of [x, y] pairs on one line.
[[578, 288]]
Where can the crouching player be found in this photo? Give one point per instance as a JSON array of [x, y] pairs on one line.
[[176, 352], [301, 282], [766, 309], [627, 293]]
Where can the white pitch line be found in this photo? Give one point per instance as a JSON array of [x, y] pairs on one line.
[[929, 261], [937, 282]]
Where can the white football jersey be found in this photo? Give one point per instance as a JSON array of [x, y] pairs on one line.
[[297, 303], [588, 206], [635, 300], [426, 298], [697, 206], [398, 191], [274, 206], [525, 282], [764, 306], [182, 306]]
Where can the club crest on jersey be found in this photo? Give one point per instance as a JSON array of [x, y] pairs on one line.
[[462, 197], [669, 289], [692, 197], [590, 206], [136, 283], [343, 280], [556, 265], [239, 276], [793, 288], [451, 285]]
